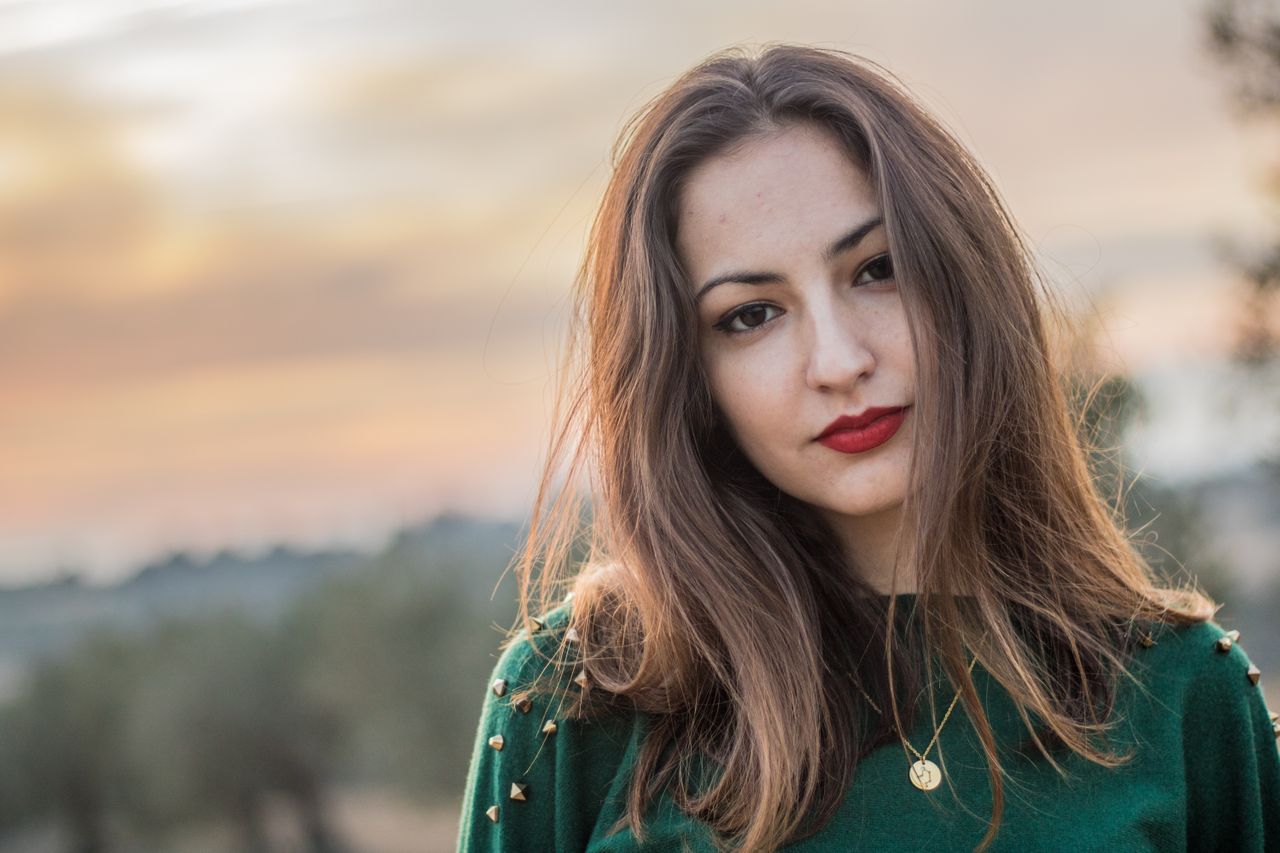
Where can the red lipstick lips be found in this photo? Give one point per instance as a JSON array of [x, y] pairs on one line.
[[858, 433]]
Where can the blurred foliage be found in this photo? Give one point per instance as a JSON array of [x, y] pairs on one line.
[[1166, 524], [374, 677], [63, 743], [1243, 37]]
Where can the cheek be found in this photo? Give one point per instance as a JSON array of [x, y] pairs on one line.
[[904, 352], [750, 393]]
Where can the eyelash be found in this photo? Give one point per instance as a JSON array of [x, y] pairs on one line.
[[725, 322]]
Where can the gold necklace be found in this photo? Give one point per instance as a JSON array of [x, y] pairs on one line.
[[924, 774]]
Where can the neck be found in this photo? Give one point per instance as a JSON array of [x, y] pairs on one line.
[[868, 545]]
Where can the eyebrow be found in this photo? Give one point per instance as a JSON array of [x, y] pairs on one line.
[[844, 244]]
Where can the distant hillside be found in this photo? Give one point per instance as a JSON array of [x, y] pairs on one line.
[[46, 619]]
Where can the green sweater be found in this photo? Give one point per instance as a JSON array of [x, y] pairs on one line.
[[1206, 775]]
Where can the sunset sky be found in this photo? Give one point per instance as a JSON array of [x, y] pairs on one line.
[[297, 271]]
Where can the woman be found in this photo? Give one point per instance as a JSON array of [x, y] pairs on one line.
[[850, 585]]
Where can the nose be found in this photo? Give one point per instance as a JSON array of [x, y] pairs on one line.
[[840, 352]]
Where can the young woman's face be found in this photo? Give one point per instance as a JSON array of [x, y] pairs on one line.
[[822, 336]]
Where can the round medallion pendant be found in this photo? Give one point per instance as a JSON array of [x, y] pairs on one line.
[[925, 775]]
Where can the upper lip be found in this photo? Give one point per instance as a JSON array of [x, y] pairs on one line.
[[858, 421]]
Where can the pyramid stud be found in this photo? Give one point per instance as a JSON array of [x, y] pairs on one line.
[[538, 624], [523, 704], [492, 812], [1234, 635], [549, 727], [497, 742], [571, 635], [1254, 674], [1147, 641], [1274, 717], [499, 687], [1223, 644], [1275, 727], [581, 679], [519, 791], [568, 596]]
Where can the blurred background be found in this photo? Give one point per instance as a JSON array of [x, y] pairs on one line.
[[282, 284]]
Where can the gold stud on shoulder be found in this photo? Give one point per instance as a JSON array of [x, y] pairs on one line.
[[519, 791], [537, 623], [497, 742], [499, 687], [523, 704], [1223, 644], [549, 727], [492, 812], [581, 679], [1234, 635], [1147, 640], [1254, 674], [571, 635]]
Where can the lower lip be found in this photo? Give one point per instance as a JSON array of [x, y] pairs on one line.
[[872, 435]]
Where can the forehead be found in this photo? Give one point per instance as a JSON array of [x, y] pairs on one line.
[[790, 192]]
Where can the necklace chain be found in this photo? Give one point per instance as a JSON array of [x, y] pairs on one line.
[[937, 731]]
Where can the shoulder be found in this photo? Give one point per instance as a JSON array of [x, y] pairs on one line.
[[543, 653], [1209, 721], [540, 776], [538, 684], [1198, 656], [1203, 688], [1195, 666]]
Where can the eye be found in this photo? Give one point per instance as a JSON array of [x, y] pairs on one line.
[[881, 266], [753, 309]]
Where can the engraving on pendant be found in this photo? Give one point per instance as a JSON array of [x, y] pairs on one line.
[[925, 775]]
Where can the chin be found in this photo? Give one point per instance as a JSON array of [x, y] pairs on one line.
[[872, 508], [857, 506]]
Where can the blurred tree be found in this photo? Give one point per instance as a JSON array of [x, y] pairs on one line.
[[64, 756], [221, 722], [1243, 36], [374, 678], [401, 650], [1166, 524], [138, 736]]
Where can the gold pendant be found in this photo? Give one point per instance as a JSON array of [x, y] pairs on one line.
[[925, 775]]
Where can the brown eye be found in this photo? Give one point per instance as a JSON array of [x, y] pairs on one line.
[[755, 309], [880, 268]]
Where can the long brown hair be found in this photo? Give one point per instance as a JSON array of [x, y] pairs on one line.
[[726, 608]]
